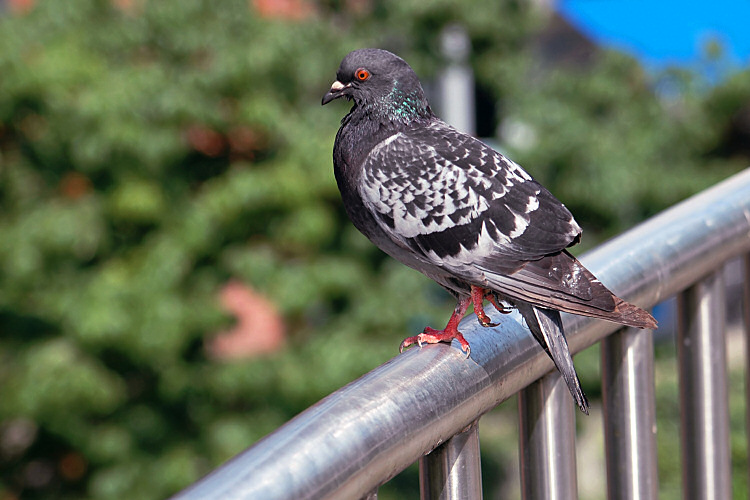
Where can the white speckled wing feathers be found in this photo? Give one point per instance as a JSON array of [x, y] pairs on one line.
[[460, 204]]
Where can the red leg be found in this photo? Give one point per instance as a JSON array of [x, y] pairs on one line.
[[432, 336], [477, 298], [492, 299]]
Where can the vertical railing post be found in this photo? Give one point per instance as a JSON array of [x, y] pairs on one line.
[[701, 348], [457, 80], [746, 322], [547, 440], [629, 415], [452, 471]]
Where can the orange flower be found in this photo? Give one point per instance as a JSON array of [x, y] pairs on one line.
[[259, 329], [294, 10]]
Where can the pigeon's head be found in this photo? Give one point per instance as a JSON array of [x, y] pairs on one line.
[[380, 83]]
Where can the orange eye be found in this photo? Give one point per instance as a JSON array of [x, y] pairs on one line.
[[362, 74]]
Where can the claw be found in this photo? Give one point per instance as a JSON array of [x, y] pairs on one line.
[[468, 347], [432, 336], [477, 297], [485, 320], [450, 332], [408, 341]]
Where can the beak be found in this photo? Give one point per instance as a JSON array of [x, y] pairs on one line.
[[336, 91]]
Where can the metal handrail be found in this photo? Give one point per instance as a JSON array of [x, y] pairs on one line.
[[360, 436]]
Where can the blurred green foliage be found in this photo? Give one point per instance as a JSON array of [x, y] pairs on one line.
[[152, 151]]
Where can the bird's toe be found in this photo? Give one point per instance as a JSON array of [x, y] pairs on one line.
[[409, 341]]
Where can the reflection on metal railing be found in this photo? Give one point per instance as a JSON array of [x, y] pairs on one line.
[[425, 403]]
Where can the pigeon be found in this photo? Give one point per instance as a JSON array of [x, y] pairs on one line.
[[446, 204]]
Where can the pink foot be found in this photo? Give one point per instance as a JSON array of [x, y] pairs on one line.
[[432, 336]]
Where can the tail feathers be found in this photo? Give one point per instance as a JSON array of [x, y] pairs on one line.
[[546, 326], [559, 281], [631, 315], [624, 313]]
